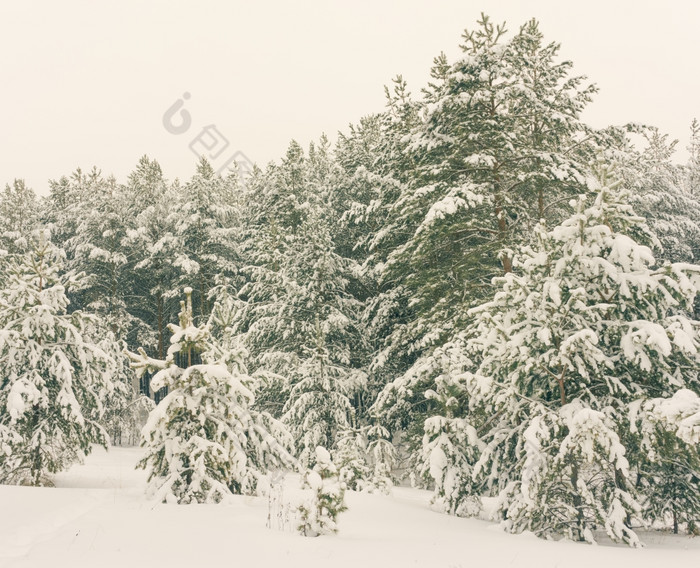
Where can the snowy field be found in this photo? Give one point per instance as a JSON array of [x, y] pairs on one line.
[[98, 517]]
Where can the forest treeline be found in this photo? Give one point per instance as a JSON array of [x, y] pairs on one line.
[[472, 287]]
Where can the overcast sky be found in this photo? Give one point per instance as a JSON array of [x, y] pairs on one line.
[[87, 82]]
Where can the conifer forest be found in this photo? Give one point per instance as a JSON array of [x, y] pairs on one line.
[[471, 291]]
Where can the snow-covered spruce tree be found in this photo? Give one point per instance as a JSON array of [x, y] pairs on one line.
[[350, 458], [319, 407], [661, 192], [319, 515], [300, 321], [383, 458], [54, 376], [327, 341], [19, 216], [574, 342], [365, 457], [202, 441]]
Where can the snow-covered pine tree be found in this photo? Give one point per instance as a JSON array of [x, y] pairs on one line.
[[575, 340], [202, 441], [205, 224], [377, 170], [54, 376], [19, 216], [365, 458], [692, 169], [151, 246], [661, 192], [319, 516], [499, 146], [272, 213], [450, 444], [300, 322], [350, 458], [70, 198], [93, 227], [495, 153]]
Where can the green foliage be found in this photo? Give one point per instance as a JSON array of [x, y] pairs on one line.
[[443, 278], [319, 515], [203, 441], [19, 216], [569, 349], [54, 374]]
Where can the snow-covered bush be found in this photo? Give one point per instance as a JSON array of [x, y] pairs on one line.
[[319, 515], [203, 441], [54, 376]]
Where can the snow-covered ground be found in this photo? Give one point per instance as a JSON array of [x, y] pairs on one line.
[[98, 517]]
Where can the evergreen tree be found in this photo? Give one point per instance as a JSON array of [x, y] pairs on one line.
[[350, 458], [96, 248], [496, 154], [54, 376], [19, 216], [660, 193], [377, 170], [365, 458], [569, 348], [300, 321], [693, 165], [125, 408], [203, 443], [320, 515], [499, 146], [319, 407], [206, 230], [151, 245]]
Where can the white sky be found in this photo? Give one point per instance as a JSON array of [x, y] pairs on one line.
[[87, 82]]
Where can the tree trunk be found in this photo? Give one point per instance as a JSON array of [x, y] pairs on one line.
[[578, 504], [502, 227], [675, 521], [161, 342]]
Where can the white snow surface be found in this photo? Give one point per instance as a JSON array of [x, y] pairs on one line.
[[98, 516]]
